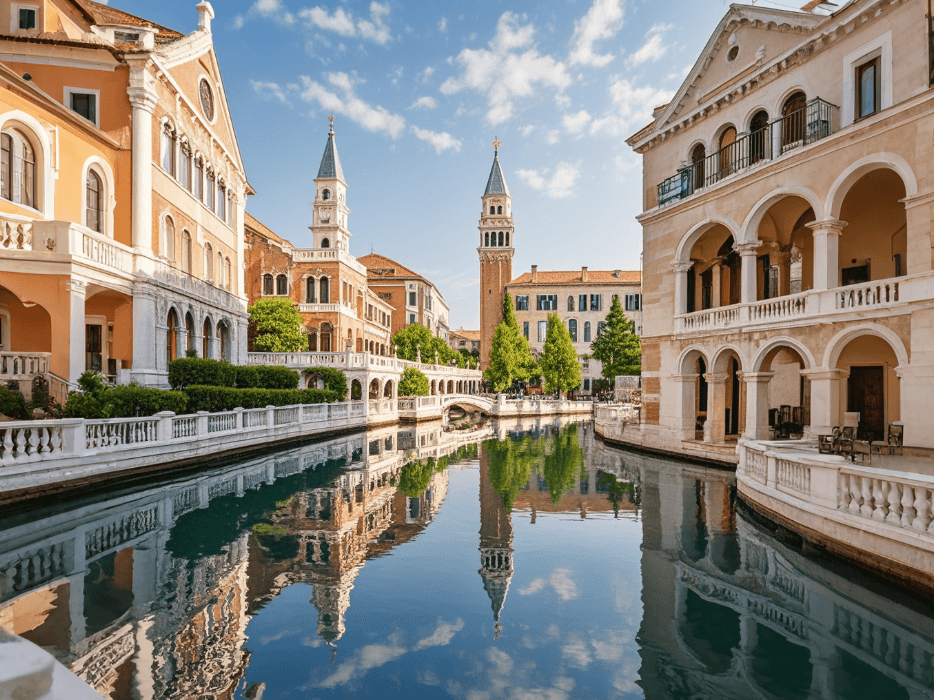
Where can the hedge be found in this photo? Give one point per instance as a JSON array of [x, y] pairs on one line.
[[124, 402], [197, 371], [13, 405], [215, 398], [334, 380]]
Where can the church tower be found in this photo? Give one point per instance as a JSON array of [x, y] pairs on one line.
[[496, 553], [496, 251], [331, 211]]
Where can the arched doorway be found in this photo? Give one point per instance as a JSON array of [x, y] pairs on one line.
[[171, 349], [374, 390], [356, 390], [759, 140], [714, 279], [871, 387], [387, 390], [725, 398], [325, 339], [778, 394], [793, 121]]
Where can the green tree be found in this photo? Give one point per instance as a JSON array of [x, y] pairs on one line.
[[560, 367], [562, 463], [412, 339], [617, 347], [510, 464], [511, 359], [278, 326], [413, 383]]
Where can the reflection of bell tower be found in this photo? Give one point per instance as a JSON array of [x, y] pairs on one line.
[[495, 542], [331, 599], [496, 251], [331, 211]]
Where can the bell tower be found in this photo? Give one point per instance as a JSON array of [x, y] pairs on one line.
[[496, 250], [331, 210]]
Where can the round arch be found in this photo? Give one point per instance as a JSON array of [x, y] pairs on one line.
[[778, 105], [841, 339], [373, 392], [106, 173], [717, 364], [750, 228], [388, 389], [690, 356], [849, 177], [691, 237], [782, 341], [45, 183]]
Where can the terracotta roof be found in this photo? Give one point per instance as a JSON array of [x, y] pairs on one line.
[[263, 230], [574, 277], [467, 335], [375, 261], [104, 14]]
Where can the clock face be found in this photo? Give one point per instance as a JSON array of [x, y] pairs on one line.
[[207, 99]]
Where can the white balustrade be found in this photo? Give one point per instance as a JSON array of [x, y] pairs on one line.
[[901, 502], [102, 250], [793, 475], [121, 432], [15, 235], [780, 309], [757, 465], [30, 442], [222, 422], [867, 295], [23, 365]]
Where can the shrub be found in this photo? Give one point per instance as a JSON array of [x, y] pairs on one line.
[[124, 402], [413, 383], [188, 371], [334, 380], [266, 377], [212, 398], [13, 405]]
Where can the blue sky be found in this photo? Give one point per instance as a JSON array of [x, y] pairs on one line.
[[419, 88]]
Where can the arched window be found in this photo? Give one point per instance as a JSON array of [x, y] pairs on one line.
[[19, 169], [325, 286], [221, 200], [698, 158], [492, 209], [198, 179], [184, 165], [267, 285], [282, 285], [499, 210], [227, 270], [507, 239], [728, 161], [209, 189], [586, 331], [326, 329], [793, 120], [168, 230], [572, 329], [326, 195], [94, 190], [501, 238], [570, 303], [759, 141], [6, 144], [208, 262], [171, 349], [325, 243], [168, 148], [310, 290], [486, 239], [220, 270], [313, 340], [206, 338], [186, 251]]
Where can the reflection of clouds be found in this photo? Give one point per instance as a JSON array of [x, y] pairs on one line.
[[553, 630], [442, 635], [560, 580], [276, 637], [502, 662], [313, 642], [576, 653], [428, 678], [534, 587], [370, 656]]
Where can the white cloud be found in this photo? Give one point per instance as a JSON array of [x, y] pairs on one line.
[[534, 587], [557, 186], [526, 130], [510, 69], [270, 91], [633, 107], [575, 123], [561, 579], [438, 141], [443, 24], [653, 48], [576, 653], [425, 103], [553, 137], [602, 21], [369, 656], [501, 661], [347, 103], [442, 635], [427, 73], [270, 9], [344, 23]]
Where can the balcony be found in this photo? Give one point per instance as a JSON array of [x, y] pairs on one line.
[[324, 255], [814, 122]]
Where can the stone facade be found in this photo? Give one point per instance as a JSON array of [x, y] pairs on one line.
[[787, 230]]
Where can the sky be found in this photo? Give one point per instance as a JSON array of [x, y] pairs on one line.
[[419, 89]]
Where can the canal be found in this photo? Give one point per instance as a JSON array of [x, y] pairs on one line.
[[526, 560]]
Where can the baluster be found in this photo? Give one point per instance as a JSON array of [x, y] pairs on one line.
[[7, 455], [908, 511], [21, 445], [865, 508], [895, 504], [878, 497], [44, 440], [922, 508]]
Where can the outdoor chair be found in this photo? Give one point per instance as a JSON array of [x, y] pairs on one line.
[[861, 451], [896, 440], [845, 441], [827, 444]]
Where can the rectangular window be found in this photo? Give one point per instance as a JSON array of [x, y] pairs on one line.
[[633, 302], [595, 302], [85, 104], [198, 179], [586, 385], [222, 202], [582, 302], [542, 331], [522, 302], [413, 298], [27, 18], [411, 318], [600, 328], [184, 167], [868, 88], [209, 190], [525, 329], [546, 302], [586, 331]]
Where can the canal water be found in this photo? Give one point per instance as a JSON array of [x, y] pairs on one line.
[[526, 560]]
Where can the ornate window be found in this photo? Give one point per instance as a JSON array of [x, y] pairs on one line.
[[207, 99], [169, 138], [325, 296], [282, 285], [221, 200], [267, 285], [492, 209], [198, 180], [486, 239], [94, 201], [326, 194], [310, 284], [184, 165], [501, 238], [186, 251], [507, 239], [499, 210], [325, 243], [209, 189]]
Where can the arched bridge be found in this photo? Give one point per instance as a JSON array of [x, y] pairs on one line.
[[468, 402]]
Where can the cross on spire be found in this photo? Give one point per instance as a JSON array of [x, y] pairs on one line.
[[331, 119], [496, 144]]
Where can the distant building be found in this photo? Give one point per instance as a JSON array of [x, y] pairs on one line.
[[582, 300], [465, 340], [416, 299], [326, 282]]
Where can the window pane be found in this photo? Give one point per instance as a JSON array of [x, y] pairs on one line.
[[586, 331], [542, 331], [525, 329], [582, 302], [27, 19], [867, 89], [572, 329]]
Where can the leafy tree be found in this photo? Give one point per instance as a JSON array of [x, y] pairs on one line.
[[412, 339], [617, 347], [278, 325], [333, 379], [559, 363], [510, 465], [415, 477], [562, 463], [413, 383], [511, 359]]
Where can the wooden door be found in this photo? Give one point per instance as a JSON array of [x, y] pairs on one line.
[[866, 394]]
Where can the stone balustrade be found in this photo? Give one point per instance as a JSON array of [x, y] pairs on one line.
[[23, 365]]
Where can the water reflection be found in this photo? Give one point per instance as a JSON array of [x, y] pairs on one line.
[[350, 568]]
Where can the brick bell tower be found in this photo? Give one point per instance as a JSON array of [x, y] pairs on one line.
[[496, 251]]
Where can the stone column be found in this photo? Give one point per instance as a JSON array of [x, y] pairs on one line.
[[783, 260], [716, 295], [681, 294], [715, 427], [748, 276], [76, 328], [181, 341], [827, 252], [143, 100], [688, 401], [826, 387], [145, 327], [757, 404]]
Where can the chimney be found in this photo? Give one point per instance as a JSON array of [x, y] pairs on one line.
[[205, 15], [534, 273], [583, 274]]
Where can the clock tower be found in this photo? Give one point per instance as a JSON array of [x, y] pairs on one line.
[[331, 211], [496, 251]]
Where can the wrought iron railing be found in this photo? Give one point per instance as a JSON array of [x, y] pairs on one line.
[[800, 128]]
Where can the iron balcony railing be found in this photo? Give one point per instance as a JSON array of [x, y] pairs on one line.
[[800, 128]]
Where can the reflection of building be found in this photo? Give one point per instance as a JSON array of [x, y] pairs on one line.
[[496, 564], [326, 282]]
